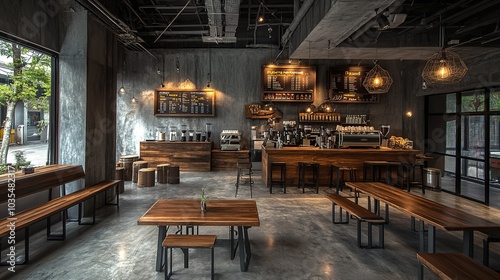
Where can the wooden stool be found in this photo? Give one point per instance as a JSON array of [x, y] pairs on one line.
[[120, 175], [282, 179], [173, 174], [314, 182], [127, 162], [185, 242], [137, 165], [163, 170], [146, 177]]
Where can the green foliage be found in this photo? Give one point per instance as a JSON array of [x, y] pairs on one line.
[[21, 159], [31, 73], [204, 197]]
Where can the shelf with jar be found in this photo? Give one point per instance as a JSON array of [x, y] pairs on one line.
[[287, 97], [320, 117], [355, 98], [356, 120]]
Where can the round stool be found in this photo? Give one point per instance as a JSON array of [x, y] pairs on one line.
[[162, 175], [146, 177], [136, 167], [120, 175], [282, 179], [313, 167], [127, 162], [173, 174]]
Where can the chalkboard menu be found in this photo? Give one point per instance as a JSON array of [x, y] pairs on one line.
[[184, 103], [346, 85], [288, 83]]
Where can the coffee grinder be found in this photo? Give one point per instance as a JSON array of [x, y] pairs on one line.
[[208, 129], [183, 132]]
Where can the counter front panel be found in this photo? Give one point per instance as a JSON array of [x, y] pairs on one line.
[[325, 157], [190, 156]]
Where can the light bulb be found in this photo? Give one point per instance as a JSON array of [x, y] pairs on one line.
[[377, 81], [134, 100], [121, 90], [443, 72]]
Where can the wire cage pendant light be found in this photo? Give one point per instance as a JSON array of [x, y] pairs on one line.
[[444, 68], [377, 80], [327, 106], [122, 88]]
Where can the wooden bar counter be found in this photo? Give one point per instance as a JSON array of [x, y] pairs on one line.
[[190, 156], [353, 157]]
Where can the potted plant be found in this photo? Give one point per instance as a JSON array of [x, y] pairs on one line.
[[204, 199], [21, 159]]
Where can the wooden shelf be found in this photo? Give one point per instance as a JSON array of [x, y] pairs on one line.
[[320, 118]]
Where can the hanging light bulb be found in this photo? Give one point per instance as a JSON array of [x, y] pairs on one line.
[[134, 100], [122, 88], [311, 109]]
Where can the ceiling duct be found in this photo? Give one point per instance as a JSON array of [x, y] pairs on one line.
[[222, 25]]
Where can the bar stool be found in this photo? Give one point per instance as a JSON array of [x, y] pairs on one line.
[[340, 178], [243, 166], [391, 167], [313, 167], [411, 169], [376, 167], [273, 181]]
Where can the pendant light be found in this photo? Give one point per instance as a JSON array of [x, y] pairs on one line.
[[377, 80], [327, 106], [122, 88], [311, 109], [133, 100], [445, 67]]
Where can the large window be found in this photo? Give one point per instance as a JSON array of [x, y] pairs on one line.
[[26, 87], [458, 126]]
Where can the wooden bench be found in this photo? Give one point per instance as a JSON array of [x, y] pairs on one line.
[[23, 219], [454, 266], [361, 214], [185, 242]]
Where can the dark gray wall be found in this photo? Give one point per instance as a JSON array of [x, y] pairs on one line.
[[236, 77]]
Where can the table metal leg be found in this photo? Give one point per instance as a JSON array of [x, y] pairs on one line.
[[245, 252], [421, 233], [162, 231], [431, 239], [468, 243]]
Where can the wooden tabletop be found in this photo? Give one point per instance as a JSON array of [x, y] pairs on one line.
[[434, 213], [43, 178], [166, 212]]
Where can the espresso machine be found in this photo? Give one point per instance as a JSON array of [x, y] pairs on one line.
[[290, 133]]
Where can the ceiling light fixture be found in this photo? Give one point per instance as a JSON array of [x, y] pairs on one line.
[[122, 88], [445, 67], [377, 80]]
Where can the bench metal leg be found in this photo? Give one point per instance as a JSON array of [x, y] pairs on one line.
[[80, 213], [340, 215], [431, 239], [358, 232], [162, 232], [26, 250], [381, 240], [468, 243], [421, 246], [62, 236], [486, 252], [232, 246], [117, 190], [370, 241], [420, 271]]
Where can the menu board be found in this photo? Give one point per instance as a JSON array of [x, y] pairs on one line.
[[288, 83], [348, 80], [183, 103]]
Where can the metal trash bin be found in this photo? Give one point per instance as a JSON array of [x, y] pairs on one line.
[[432, 178], [20, 134]]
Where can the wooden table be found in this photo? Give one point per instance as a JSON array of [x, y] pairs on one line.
[[436, 215], [44, 178], [234, 213]]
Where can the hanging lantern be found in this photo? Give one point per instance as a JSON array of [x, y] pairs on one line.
[[444, 68], [377, 80], [326, 107], [311, 109]]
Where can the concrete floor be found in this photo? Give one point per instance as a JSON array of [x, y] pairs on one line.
[[296, 239]]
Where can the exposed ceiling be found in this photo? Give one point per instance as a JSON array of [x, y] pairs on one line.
[[315, 29]]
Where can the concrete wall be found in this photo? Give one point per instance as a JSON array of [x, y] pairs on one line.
[[236, 77]]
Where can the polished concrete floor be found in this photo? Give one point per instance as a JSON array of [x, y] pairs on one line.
[[296, 239]]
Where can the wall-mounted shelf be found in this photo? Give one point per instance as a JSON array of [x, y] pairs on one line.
[[355, 98], [320, 117], [287, 97]]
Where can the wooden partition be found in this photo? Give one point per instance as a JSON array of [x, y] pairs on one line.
[[349, 157], [190, 156]]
